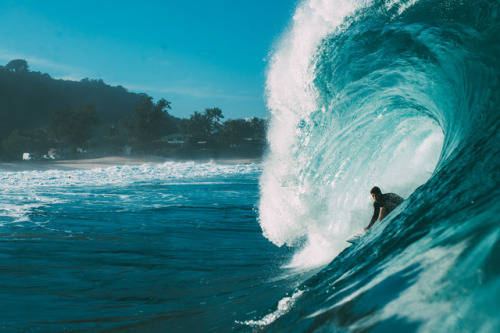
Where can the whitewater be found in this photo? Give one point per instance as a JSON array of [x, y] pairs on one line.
[[402, 94]]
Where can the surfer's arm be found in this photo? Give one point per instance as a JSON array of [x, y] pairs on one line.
[[383, 214], [376, 213]]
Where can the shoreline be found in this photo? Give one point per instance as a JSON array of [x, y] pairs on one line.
[[111, 161]]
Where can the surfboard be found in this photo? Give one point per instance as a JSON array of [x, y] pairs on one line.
[[355, 238]]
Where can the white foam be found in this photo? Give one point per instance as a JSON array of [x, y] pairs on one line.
[[23, 192], [291, 97], [284, 306], [317, 251]]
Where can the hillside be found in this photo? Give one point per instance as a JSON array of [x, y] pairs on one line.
[[89, 118], [28, 98]]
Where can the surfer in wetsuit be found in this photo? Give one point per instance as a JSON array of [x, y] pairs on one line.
[[383, 205]]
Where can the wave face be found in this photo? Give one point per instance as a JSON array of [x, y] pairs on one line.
[[402, 94]]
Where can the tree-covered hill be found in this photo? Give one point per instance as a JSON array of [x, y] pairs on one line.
[[27, 99], [40, 114]]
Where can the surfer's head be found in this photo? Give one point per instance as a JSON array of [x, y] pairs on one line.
[[376, 193]]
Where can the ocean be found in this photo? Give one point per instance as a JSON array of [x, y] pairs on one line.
[[402, 94], [151, 248]]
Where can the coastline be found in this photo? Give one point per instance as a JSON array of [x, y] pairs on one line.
[[110, 161]]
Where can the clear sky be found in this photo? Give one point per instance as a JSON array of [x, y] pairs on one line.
[[194, 53]]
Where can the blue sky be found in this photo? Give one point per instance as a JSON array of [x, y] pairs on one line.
[[194, 53]]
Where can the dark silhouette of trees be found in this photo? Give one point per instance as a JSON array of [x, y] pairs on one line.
[[73, 127], [235, 131], [150, 121], [204, 126], [196, 125], [27, 99], [17, 65], [34, 140], [213, 117], [234, 136], [38, 112]]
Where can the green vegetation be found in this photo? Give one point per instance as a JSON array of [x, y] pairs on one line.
[[89, 118], [72, 128]]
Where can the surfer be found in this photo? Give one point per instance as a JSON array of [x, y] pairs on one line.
[[383, 205]]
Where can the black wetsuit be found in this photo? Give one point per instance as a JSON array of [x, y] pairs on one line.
[[389, 201]]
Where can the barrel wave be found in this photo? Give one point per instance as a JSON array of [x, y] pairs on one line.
[[404, 95]]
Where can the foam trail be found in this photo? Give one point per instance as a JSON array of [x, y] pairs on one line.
[[284, 306]]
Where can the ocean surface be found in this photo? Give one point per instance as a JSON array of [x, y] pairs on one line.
[[165, 248], [402, 94]]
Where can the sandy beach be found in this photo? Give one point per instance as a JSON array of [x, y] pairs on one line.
[[106, 162]]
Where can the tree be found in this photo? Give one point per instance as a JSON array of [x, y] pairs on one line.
[[204, 125], [196, 125], [258, 128], [17, 65], [73, 127], [213, 117], [26, 141], [150, 121], [84, 120], [234, 131]]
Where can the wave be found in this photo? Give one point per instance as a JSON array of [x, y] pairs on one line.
[[26, 191], [402, 94], [364, 93]]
